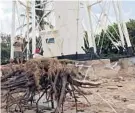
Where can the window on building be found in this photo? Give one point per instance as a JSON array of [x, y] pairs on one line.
[[50, 40]]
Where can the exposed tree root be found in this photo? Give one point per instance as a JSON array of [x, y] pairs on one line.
[[50, 76]]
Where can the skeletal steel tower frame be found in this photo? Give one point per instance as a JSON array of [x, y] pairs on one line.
[[104, 17], [29, 9], [123, 32]]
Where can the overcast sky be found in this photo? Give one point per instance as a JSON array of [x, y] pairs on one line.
[[128, 8]]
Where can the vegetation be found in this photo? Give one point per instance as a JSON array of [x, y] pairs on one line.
[[5, 53], [104, 44], [5, 48], [131, 30], [86, 47]]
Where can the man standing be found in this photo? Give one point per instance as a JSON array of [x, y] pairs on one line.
[[18, 49]]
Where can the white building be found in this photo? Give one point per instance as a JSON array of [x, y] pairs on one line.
[[67, 38]]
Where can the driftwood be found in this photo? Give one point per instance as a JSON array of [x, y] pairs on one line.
[[52, 77]]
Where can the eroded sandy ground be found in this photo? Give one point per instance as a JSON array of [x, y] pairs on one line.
[[116, 92], [112, 96]]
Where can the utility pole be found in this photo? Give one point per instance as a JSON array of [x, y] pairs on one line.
[[33, 28], [27, 13], [78, 10], [86, 6], [91, 38], [125, 31], [13, 30], [119, 25], [91, 28]]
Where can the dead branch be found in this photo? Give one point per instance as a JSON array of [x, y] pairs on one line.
[[52, 77]]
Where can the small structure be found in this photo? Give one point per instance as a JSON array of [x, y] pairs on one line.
[[51, 43], [67, 36]]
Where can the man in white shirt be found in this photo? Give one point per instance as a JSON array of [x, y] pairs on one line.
[[18, 49]]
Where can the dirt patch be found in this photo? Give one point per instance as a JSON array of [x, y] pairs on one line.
[[116, 92]]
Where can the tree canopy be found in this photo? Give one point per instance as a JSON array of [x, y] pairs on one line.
[[104, 41], [104, 44]]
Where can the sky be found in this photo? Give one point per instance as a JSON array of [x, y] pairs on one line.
[[6, 13]]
